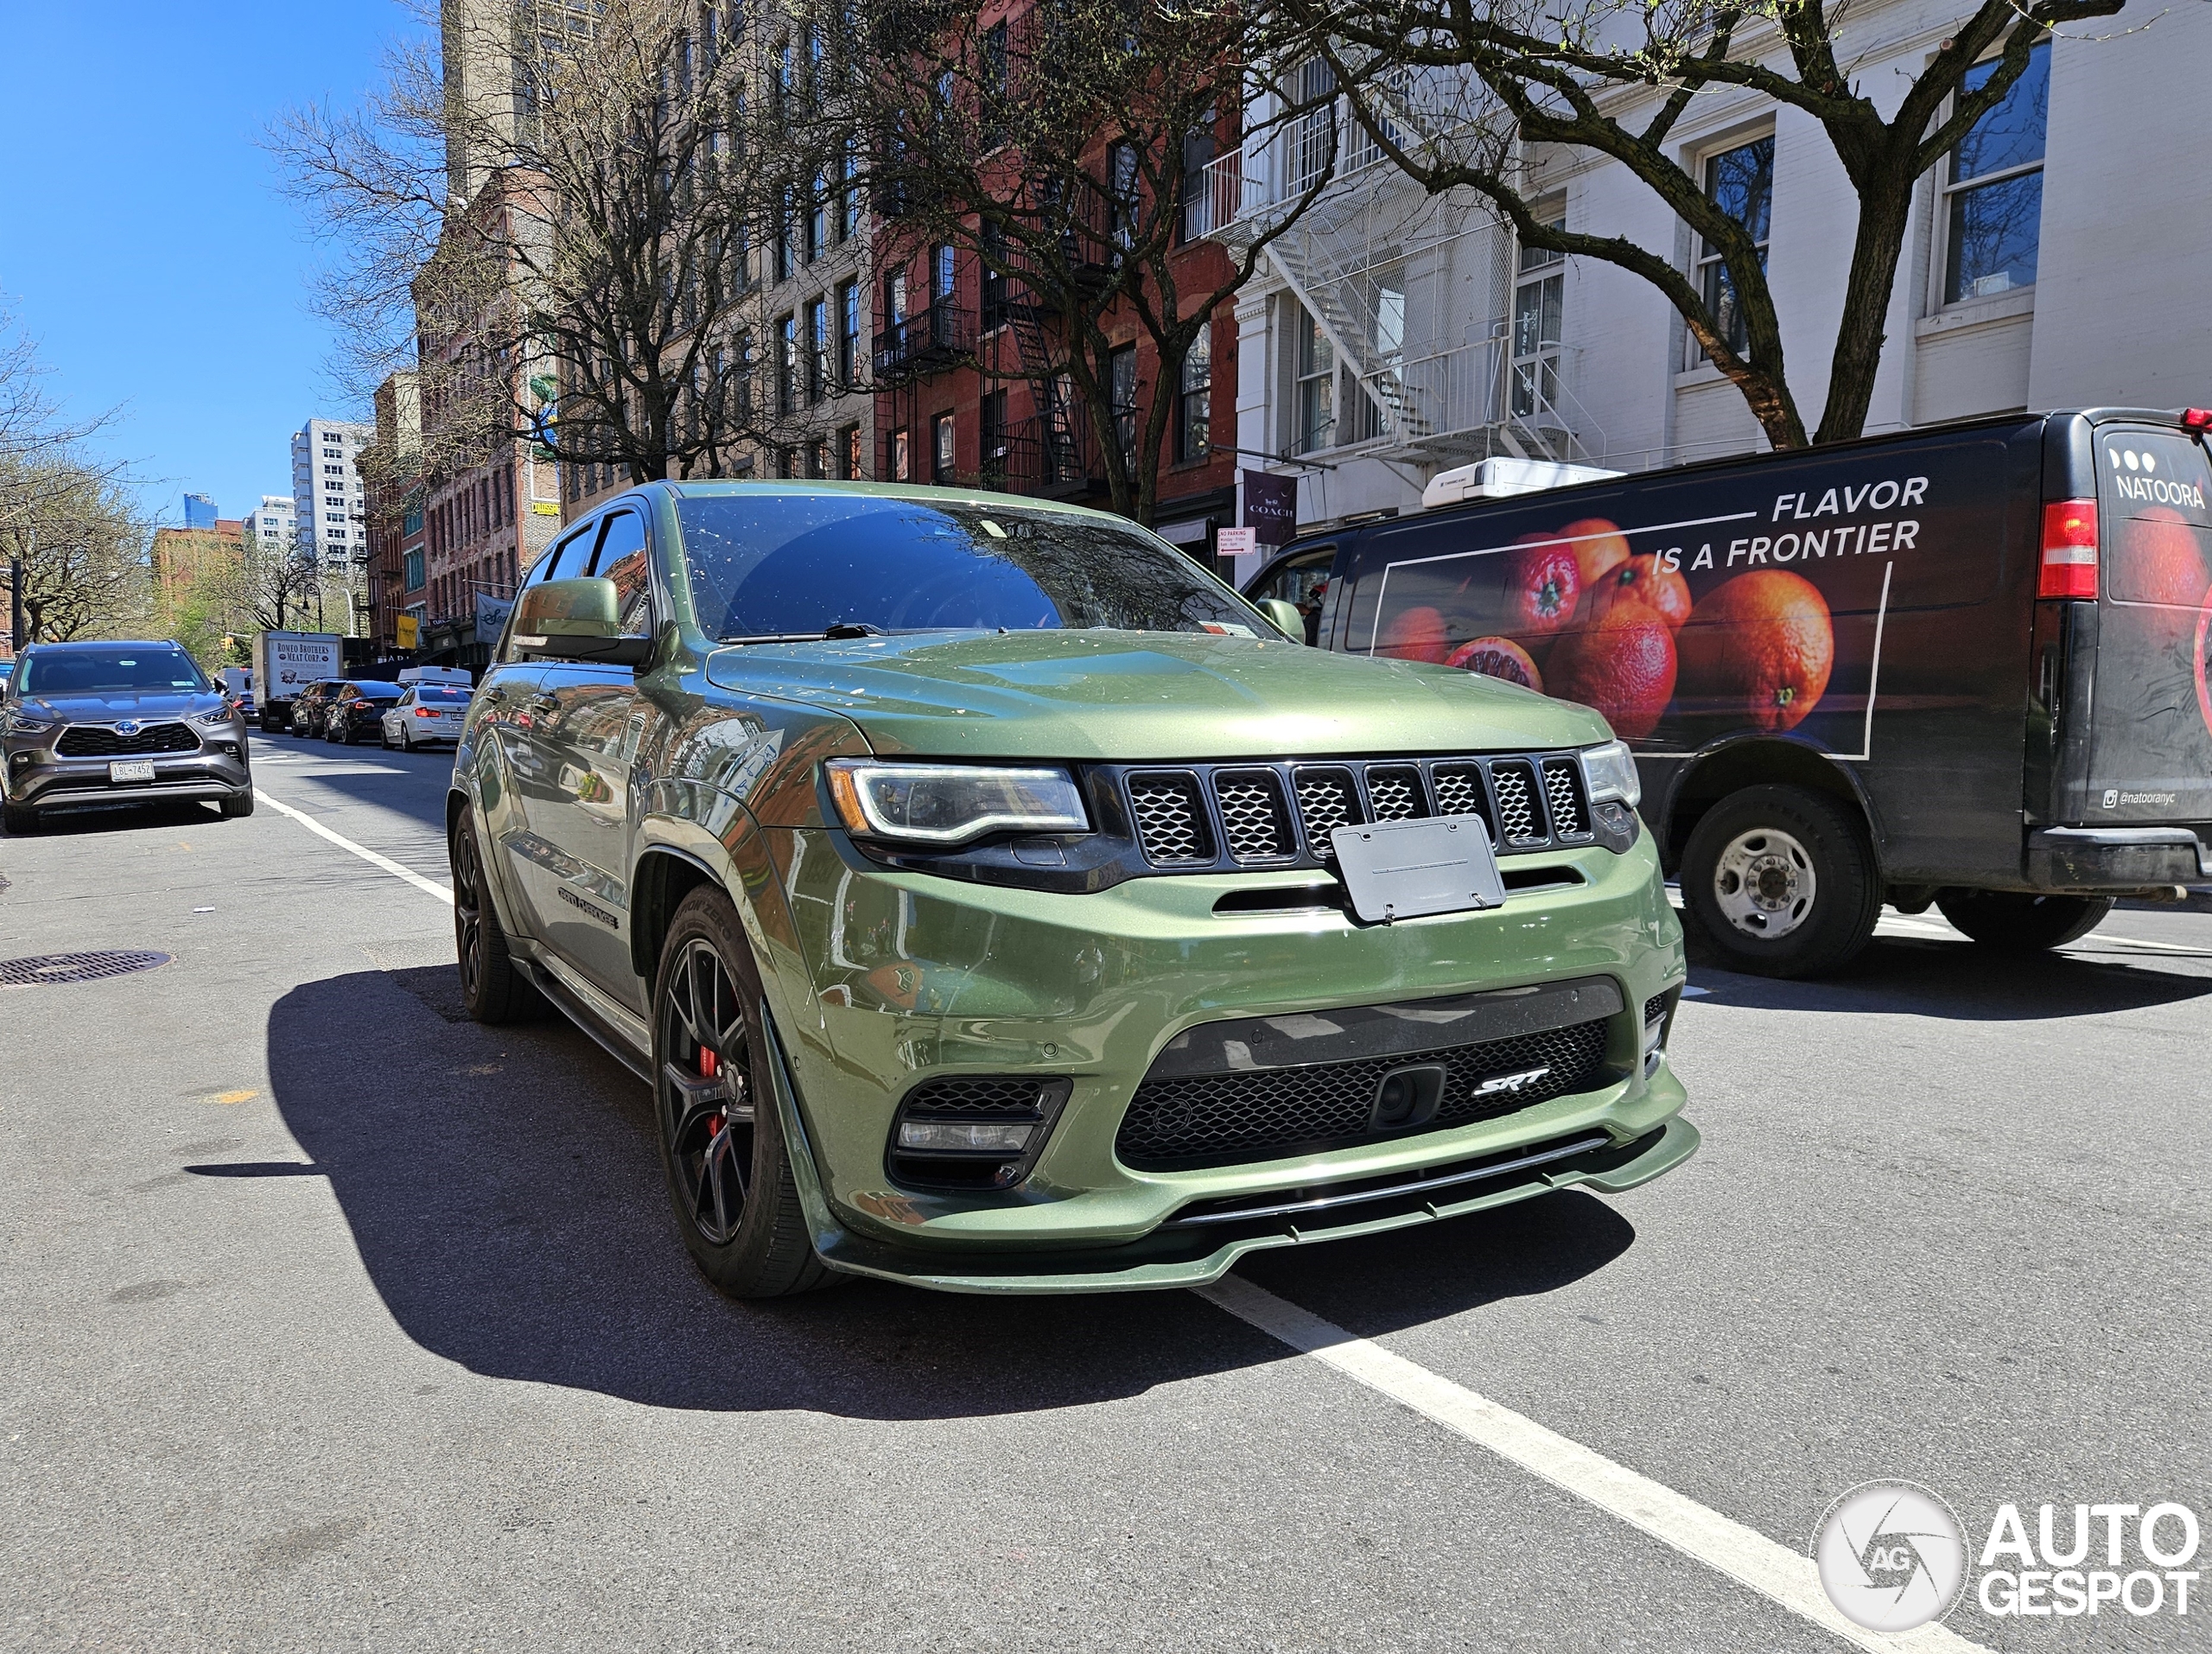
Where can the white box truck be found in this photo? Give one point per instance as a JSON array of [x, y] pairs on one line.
[[284, 662]]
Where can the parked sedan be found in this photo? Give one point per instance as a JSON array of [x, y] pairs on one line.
[[310, 705], [425, 713], [355, 708]]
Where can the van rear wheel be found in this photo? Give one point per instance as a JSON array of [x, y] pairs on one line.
[[2021, 918], [1779, 882]]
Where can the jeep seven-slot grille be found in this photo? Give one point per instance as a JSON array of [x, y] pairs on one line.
[[1225, 816], [1266, 1114], [96, 740]]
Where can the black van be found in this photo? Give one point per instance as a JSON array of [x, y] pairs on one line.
[[1964, 665]]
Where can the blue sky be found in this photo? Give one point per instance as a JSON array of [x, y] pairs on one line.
[[144, 241]]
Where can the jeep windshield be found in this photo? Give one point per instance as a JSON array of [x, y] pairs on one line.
[[788, 566]]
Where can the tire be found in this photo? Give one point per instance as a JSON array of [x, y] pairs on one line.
[[730, 1174], [1779, 881], [20, 820], [491, 988], [237, 804], [340, 734], [2022, 919], [384, 738]]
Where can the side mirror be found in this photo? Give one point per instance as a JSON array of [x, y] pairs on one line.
[[575, 620], [1287, 620]]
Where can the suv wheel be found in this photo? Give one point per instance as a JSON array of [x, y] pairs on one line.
[[729, 1173], [493, 990], [2016, 919], [238, 803], [1779, 882], [20, 820]]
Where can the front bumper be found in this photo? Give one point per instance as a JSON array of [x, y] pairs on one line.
[[909, 976], [2118, 858], [38, 778]]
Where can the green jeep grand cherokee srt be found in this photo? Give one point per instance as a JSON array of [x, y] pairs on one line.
[[997, 902]]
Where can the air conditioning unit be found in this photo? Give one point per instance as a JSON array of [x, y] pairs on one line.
[[1495, 479]]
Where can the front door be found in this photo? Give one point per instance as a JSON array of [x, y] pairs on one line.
[[589, 725]]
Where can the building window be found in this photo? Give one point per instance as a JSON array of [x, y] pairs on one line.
[[848, 194], [1316, 387], [817, 349], [1121, 390], [848, 452], [1993, 188], [787, 365], [741, 360], [1539, 292], [818, 220], [818, 458], [1741, 182], [941, 450], [1194, 401], [940, 274], [849, 335], [787, 463], [990, 438], [1124, 188], [894, 298], [901, 464]]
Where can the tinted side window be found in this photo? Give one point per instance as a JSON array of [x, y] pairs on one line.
[[622, 559]]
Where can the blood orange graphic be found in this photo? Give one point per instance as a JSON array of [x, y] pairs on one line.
[[1621, 663], [1542, 584], [1415, 634], [1498, 658], [1641, 579], [1599, 545], [1759, 650]]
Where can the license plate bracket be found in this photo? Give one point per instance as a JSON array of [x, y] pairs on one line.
[[1408, 870], [130, 769]]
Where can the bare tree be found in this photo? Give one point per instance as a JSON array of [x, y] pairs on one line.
[[76, 532], [1465, 96], [1062, 148], [552, 220]]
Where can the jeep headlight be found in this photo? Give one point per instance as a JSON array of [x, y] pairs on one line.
[[950, 804], [1609, 772]]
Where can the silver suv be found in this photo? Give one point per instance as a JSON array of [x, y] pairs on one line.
[[87, 723]]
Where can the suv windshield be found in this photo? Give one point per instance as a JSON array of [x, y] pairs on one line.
[[119, 670], [792, 565]]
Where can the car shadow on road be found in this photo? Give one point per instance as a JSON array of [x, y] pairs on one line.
[[504, 1188], [123, 818], [1962, 981]]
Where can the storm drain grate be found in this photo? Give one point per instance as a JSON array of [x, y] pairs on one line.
[[74, 967]]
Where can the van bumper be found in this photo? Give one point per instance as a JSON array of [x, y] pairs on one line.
[[2117, 858]]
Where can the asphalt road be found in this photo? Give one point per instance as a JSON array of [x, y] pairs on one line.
[[330, 1319]]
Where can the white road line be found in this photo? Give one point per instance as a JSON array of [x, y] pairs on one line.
[[1743, 1554], [428, 887]]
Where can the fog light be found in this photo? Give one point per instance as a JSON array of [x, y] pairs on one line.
[[964, 1136]]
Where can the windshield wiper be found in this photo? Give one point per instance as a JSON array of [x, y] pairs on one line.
[[834, 629]]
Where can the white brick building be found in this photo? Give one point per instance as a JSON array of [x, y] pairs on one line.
[[327, 499], [1392, 337]]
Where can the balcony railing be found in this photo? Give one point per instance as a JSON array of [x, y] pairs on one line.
[[930, 339]]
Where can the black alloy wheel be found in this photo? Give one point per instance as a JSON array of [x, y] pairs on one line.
[[706, 1092], [491, 988], [729, 1169]]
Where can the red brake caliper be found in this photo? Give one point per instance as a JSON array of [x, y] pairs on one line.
[[709, 1064]]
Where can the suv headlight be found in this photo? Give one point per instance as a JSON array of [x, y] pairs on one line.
[[22, 721], [950, 804], [1609, 772], [220, 716]]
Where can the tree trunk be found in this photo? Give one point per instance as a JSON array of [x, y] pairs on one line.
[[1884, 206]]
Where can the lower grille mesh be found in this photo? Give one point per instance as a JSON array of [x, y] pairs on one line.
[[973, 1094], [1221, 1119]]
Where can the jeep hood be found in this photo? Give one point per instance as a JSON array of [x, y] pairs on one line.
[[1143, 696]]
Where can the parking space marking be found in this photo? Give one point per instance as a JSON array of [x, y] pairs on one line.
[[428, 887], [1743, 1554]]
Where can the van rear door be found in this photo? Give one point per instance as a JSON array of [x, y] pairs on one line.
[[2150, 713]]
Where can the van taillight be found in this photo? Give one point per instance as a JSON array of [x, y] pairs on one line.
[[2069, 549]]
